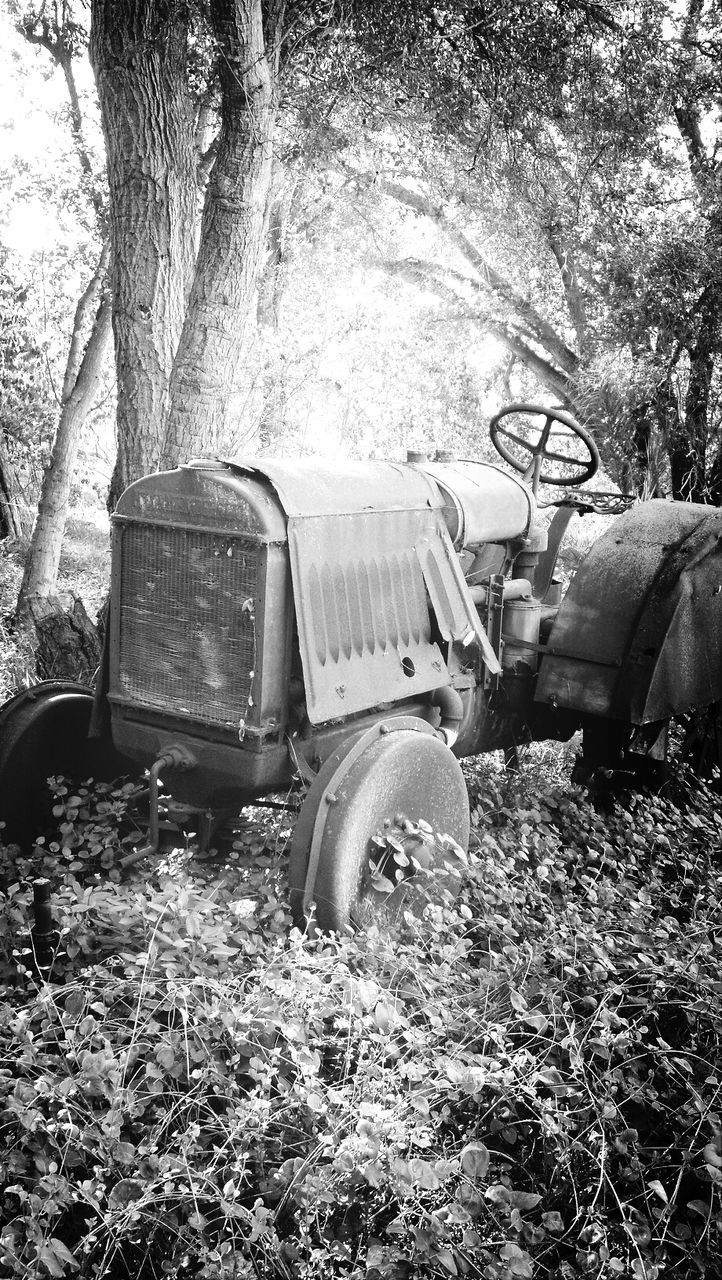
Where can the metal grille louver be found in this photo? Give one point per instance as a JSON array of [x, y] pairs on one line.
[[363, 617], [187, 624]]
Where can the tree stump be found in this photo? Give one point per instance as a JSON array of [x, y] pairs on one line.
[[64, 640]]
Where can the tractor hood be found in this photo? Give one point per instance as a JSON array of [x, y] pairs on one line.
[[367, 541], [368, 545]]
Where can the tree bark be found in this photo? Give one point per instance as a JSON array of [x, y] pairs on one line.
[[138, 50], [11, 519], [232, 231], [81, 385], [696, 408]]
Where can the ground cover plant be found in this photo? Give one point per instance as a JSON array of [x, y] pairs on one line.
[[525, 1083]]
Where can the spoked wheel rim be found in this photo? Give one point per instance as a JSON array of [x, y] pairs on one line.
[[365, 848]]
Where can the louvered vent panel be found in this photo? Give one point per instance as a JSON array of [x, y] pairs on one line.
[[367, 604], [187, 621]]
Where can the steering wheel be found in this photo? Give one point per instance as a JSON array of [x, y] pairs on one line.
[[535, 443]]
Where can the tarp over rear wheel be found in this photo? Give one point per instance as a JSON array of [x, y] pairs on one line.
[[638, 637]]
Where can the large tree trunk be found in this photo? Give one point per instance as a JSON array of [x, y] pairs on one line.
[[138, 50], [232, 232]]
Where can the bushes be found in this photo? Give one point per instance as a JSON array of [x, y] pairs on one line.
[[523, 1084]]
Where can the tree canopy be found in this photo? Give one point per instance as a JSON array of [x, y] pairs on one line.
[[560, 164]]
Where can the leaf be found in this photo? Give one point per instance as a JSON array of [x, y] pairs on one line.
[[498, 1193], [644, 1270], [553, 1221], [699, 1206], [639, 1231], [518, 1002], [242, 908], [446, 1258], [56, 1256], [655, 1185], [424, 1175], [383, 1016], [524, 1199], [75, 1003], [475, 1160], [537, 1021], [124, 1152], [381, 884], [518, 1260], [124, 1192]]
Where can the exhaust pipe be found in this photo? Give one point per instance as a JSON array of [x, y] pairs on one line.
[[175, 758]]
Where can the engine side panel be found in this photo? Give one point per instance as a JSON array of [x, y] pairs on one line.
[[639, 634], [363, 619]]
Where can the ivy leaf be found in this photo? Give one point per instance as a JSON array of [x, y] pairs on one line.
[[498, 1193], [475, 1161], [56, 1256], [124, 1192], [655, 1185], [523, 1199], [537, 1021], [699, 1206], [382, 884], [424, 1175], [517, 1260]]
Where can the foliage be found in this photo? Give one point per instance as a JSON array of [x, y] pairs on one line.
[[26, 415], [524, 1083]]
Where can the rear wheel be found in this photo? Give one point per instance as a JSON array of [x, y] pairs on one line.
[[651, 754], [385, 821], [695, 741], [44, 732]]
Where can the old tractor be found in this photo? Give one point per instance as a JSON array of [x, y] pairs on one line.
[[354, 629]]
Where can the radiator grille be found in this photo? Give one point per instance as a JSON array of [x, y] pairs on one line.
[[187, 624]]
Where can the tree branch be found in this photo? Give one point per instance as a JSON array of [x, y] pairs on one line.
[[427, 276], [543, 332]]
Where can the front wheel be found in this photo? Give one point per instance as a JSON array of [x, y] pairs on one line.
[[386, 818], [43, 733]]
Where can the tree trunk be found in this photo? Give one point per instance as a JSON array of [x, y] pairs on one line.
[[11, 519], [79, 394], [232, 232], [701, 369], [63, 639], [714, 482], [138, 50]]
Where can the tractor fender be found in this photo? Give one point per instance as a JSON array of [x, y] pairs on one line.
[[638, 636]]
